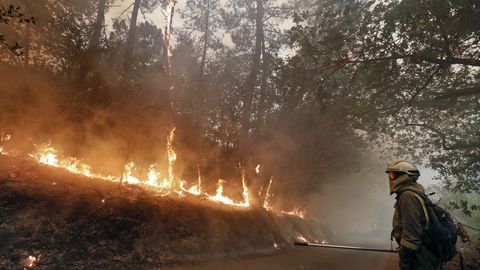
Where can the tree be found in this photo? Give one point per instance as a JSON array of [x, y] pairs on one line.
[[8, 14], [410, 72]]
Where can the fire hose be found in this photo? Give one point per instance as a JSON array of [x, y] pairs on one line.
[[307, 244]]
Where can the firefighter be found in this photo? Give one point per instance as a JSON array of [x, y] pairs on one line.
[[410, 220]]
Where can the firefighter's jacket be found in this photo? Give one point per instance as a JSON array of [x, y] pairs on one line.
[[410, 223]]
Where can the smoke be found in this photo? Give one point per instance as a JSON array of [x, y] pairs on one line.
[[40, 109], [315, 161]]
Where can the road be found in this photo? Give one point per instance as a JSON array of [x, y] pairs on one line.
[[309, 259]]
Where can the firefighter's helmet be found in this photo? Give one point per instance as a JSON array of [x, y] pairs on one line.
[[403, 167]]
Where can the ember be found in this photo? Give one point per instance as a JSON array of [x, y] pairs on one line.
[[30, 261]]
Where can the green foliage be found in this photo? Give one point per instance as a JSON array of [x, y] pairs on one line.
[[409, 77]]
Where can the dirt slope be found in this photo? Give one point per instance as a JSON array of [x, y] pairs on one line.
[[65, 221]]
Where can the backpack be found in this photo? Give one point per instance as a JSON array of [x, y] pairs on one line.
[[442, 230]]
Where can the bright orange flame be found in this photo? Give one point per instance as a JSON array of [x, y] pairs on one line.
[[166, 185], [219, 197], [48, 155]]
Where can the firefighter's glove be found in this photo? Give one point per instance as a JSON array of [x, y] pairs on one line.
[[407, 257]]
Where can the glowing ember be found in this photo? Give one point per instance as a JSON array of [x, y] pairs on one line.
[[31, 261]]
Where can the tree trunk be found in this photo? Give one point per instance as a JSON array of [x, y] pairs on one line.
[[97, 31], [205, 43], [262, 106], [166, 38], [92, 53], [252, 79], [132, 32], [244, 139]]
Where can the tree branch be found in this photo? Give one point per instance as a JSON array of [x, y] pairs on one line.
[[417, 57], [472, 91], [455, 146]]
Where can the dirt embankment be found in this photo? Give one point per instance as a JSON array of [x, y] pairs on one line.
[[50, 219]]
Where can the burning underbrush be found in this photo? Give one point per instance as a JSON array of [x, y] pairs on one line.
[[51, 218]]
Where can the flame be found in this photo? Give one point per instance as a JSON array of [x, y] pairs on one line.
[[48, 156], [196, 189], [295, 212], [172, 157], [127, 175], [276, 246], [246, 201], [165, 184], [219, 197], [266, 201]]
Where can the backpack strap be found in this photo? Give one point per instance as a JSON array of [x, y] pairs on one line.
[[423, 199]]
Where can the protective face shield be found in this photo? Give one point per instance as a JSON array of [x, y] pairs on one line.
[[402, 179], [404, 172]]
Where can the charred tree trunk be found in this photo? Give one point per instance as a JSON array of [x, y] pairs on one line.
[[132, 32]]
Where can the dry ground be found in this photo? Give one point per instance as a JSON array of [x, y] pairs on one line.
[[72, 222]]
